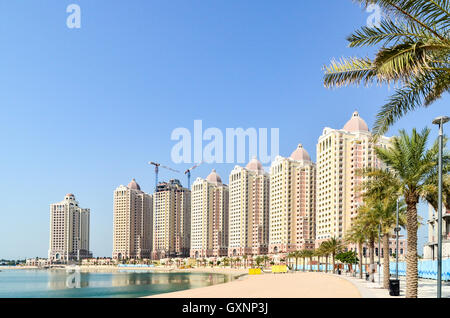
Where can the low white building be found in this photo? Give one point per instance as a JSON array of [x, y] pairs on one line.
[[430, 248], [39, 262]]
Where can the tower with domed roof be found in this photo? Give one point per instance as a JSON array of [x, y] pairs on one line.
[[209, 217], [133, 221], [249, 210], [292, 202], [340, 153]]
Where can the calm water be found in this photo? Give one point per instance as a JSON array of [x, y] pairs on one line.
[[127, 283]]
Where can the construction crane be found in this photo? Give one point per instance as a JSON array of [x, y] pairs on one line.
[[188, 172], [157, 165]]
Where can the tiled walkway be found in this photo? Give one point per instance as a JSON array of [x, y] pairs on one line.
[[427, 288]]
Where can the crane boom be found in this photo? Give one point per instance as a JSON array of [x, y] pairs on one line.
[[188, 172], [157, 165]]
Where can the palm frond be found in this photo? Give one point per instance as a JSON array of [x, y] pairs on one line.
[[387, 32], [349, 71], [432, 15], [404, 100]]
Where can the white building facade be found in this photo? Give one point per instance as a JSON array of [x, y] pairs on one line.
[[69, 231], [430, 248]]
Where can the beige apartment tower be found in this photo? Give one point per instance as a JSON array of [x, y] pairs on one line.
[[340, 154], [292, 202], [171, 220], [69, 231], [132, 234], [249, 210], [209, 217]]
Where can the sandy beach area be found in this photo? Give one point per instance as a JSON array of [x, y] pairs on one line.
[[291, 285]]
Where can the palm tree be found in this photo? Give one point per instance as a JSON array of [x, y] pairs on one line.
[[367, 219], [334, 246], [414, 51], [318, 253], [412, 170], [296, 255], [303, 256], [259, 260], [357, 235], [245, 258], [266, 259], [309, 254], [238, 262], [325, 252], [378, 190]]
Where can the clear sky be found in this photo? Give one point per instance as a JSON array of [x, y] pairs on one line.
[[84, 110]]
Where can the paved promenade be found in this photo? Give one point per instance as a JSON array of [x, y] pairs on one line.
[[427, 288]]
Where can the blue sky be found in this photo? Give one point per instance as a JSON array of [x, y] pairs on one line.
[[84, 110]]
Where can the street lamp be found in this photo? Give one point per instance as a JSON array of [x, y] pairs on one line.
[[379, 253], [440, 121], [397, 233]]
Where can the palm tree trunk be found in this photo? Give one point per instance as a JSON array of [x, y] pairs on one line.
[[360, 248], [372, 260], [304, 263], [310, 264], [411, 254], [386, 261], [326, 263], [296, 262], [334, 263]]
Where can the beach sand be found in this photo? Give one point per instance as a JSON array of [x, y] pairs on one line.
[[291, 285]]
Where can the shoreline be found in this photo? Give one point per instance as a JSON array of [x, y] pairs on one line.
[[157, 269], [267, 285]]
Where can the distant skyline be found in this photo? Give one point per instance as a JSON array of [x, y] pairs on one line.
[[84, 110]]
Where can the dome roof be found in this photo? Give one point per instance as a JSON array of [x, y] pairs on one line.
[[356, 123], [134, 185], [254, 165], [214, 177], [300, 154], [70, 196]]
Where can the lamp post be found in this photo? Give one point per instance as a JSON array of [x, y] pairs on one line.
[[440, 121], [379, 253], [397, 233]]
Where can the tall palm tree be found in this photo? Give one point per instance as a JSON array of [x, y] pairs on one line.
[[414, 51], [358, 236], [412, 169], [245, 258], [318, 252], [334, 246], [309, 254], [379, 190], [367, 219], [297, 255], [325, 252], [303, 256]]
